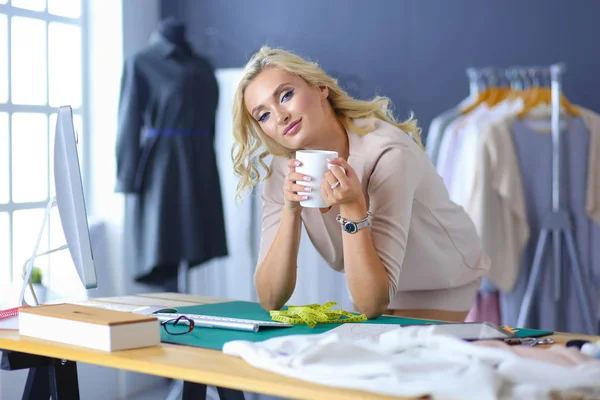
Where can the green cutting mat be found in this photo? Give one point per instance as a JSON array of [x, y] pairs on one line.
[[213, 338]]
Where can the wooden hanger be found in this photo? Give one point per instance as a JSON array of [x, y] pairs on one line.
[[515, 94], [521, 87], [538, 96], [542, 95], [490, 96], [493, 94], [500, 94], [481, 98], [477, 76]]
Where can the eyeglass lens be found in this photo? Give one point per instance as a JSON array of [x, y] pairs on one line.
[[178, 326]]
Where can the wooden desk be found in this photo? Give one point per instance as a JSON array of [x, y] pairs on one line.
[[190, 364]]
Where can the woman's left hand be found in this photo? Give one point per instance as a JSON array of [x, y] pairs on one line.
[[343, 188]]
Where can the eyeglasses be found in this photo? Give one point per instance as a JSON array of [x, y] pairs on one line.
[[179, 326]]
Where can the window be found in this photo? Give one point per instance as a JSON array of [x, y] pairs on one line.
[[41, 68]]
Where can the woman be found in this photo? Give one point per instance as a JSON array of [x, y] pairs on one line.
[[420, 257]]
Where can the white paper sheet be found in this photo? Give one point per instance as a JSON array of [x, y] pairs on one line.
[[354, 332], [106, 305], [469, 331]]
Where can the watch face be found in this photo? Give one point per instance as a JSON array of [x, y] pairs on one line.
[[350, 227]]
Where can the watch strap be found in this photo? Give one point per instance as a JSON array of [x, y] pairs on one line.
[[351, 226], [362, 224]]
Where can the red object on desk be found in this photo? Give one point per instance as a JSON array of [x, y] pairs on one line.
[[10, 312]]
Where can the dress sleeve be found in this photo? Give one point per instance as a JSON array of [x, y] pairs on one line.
[[272, 205], [391, 189], [131, 108]]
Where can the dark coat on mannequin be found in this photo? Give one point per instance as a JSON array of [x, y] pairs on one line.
[[166, 160]]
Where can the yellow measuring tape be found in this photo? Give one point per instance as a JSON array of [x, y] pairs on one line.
[[314, 313]]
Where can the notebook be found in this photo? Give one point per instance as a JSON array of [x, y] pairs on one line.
[[90, 327], [9, 318]]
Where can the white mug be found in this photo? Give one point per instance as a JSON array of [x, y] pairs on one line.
[[315, 165]]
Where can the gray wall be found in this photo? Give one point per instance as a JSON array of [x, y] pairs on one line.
[[414, 51]]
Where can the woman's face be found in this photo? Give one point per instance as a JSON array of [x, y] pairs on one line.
[[289, 110]]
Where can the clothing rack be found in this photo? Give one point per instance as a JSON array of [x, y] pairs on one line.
[[517, 78], [502, 96], [558, 223]]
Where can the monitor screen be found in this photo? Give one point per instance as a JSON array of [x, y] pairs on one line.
[[70, 199]]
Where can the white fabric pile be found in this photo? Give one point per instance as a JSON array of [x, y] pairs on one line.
[[414, 362]]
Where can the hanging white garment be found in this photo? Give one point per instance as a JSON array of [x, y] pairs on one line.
[[438, 126], [415, 362], [464, 171], [450, 147]]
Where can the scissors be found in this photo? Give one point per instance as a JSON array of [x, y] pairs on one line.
[[529, 341]]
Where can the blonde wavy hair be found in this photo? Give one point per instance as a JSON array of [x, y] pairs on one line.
[[252, 145]]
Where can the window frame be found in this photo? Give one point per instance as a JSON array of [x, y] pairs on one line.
[[9, 108]]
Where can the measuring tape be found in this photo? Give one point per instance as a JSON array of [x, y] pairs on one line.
[[314, 313]]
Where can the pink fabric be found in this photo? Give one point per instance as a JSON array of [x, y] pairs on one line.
[[557, 354], [486, 308]]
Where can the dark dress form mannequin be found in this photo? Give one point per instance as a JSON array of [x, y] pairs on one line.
[[166, 160]]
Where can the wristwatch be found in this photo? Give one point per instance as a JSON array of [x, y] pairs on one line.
[[353, 226]]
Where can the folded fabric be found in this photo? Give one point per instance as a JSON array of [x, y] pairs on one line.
[[415, 362]]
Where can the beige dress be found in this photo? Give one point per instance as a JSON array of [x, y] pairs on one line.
[[427, 244]]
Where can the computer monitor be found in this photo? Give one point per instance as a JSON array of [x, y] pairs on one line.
[[70, 201]]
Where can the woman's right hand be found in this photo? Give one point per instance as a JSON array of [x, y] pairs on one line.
[[291, 188]]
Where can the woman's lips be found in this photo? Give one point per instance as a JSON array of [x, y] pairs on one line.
[[292, 128]]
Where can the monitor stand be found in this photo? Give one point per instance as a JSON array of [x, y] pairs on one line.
[[28, 266]]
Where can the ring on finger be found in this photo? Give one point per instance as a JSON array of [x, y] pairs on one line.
[[335, 185]]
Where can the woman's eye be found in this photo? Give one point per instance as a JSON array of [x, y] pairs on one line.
[[287, 95], [263, 117]]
